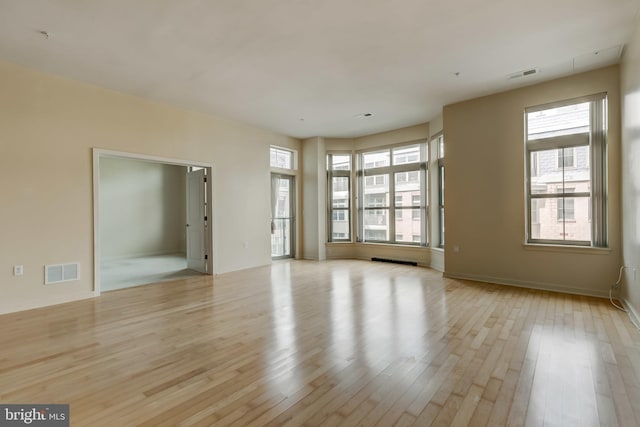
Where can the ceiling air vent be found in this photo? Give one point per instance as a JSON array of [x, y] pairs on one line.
[[523, 73]]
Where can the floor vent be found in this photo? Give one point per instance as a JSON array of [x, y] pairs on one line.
[[58, 273], [394, 261]]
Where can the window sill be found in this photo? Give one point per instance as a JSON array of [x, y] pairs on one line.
[[393, 245], [566, 249]]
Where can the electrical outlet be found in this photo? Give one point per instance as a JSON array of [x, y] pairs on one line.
[[18, 270]]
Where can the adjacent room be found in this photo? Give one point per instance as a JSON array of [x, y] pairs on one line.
[[343, 213], [143, 226]]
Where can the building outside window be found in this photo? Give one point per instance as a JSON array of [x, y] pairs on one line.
[[565, 164]]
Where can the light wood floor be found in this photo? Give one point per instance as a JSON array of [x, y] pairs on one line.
[[326, 344]]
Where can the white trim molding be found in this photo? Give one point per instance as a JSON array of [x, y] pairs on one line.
[[526, 284], [634, 316]]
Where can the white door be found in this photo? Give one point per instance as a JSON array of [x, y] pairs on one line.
[[196, 222]]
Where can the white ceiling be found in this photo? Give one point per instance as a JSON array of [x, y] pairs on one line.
[[274, 62]]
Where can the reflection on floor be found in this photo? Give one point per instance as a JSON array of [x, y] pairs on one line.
[[128, 272]]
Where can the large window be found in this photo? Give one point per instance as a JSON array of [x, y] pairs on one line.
[[339, 188], [392, 195], [439, 141], [566, 172]]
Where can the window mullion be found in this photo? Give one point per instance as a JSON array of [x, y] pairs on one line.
[[392, 208]]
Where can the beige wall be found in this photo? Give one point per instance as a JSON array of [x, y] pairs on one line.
[[484, 198], [630, 84], [397, 136], [48, 127], [314, 199], [142, 208]]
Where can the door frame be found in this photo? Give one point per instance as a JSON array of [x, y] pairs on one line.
[[99, 153]]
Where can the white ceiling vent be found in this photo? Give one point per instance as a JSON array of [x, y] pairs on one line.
[[58, 273], [523, 73]]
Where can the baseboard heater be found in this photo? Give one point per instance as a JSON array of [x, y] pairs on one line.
[[394, 261]]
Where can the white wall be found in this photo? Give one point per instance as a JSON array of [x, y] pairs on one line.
[[630, 86], [48, 128], [485, 199], [142, 208]]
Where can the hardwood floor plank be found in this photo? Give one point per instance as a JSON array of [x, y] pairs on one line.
[[341, 343]]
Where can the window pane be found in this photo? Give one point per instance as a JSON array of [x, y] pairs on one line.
[[407, 188], [440, 147], [404, 155], [551, 178], [561, 219], [281, 237], [567, 157], [441, 186], [408, 229], [340, 226], [567, 120], [280, 158], [376, 224], [375, 235], [341, 162], [283, 205], [546, 178], [376, 193], [441, 213], [376, 159], [340, 192]]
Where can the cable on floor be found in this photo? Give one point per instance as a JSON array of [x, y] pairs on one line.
[[616, 287]]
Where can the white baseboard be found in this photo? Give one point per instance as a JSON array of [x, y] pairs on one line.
[[633, 314], [526, 284]]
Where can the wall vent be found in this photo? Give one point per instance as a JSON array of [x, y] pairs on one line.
[[58, 273], [523, 73]]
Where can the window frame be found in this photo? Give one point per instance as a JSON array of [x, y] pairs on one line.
[[390, 171], [293, 155], [346, 211], [595, 139], [438, 141]]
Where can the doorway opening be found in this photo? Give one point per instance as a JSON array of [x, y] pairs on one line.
[[151, 220], [283, 209]]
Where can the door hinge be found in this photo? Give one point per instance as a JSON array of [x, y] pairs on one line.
[[206, 257], [205, 179], [205, 218]]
